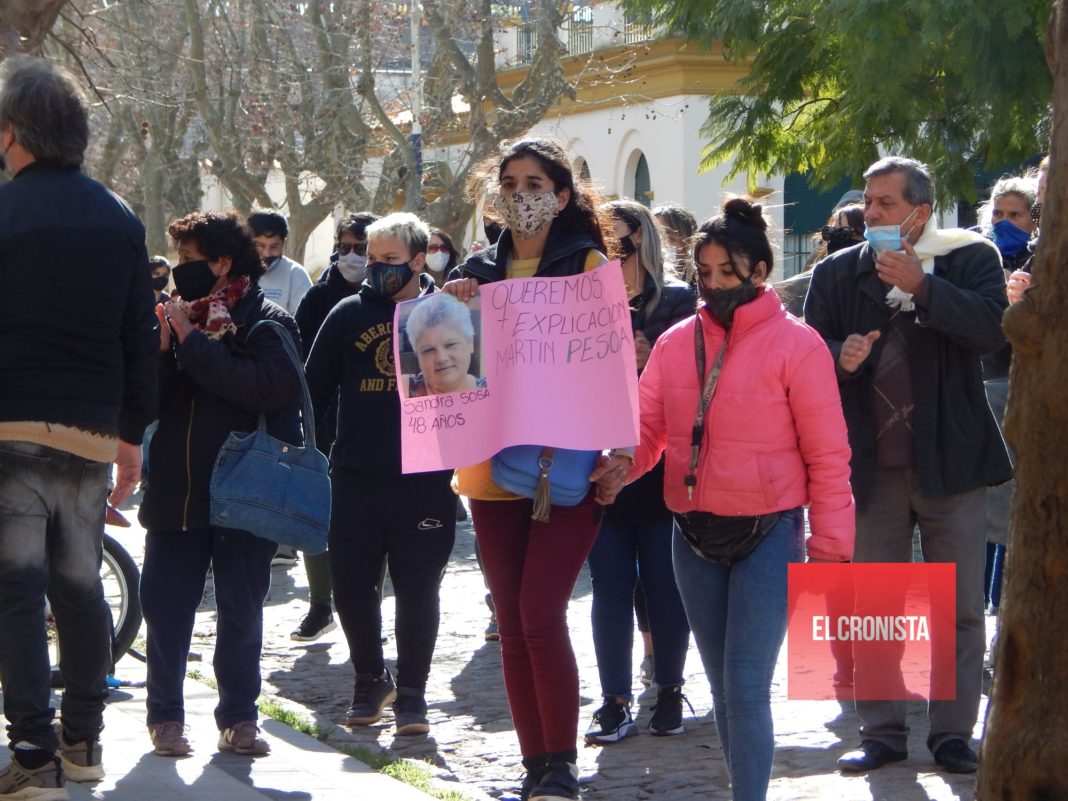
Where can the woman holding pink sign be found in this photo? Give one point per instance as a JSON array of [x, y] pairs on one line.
[[553, 228]]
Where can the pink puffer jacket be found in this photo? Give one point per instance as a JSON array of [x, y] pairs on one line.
[[775, 437]]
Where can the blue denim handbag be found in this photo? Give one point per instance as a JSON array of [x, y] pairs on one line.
[[549, 476], [272, 489]]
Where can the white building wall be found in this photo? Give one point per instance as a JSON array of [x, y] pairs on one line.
[[667, 132]]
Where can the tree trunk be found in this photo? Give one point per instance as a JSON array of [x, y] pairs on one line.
[[25, 23], [1025, 750]]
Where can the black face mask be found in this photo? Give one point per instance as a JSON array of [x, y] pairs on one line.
[[838, 238], [388, 279], [722, 303], [626, 244], [270, 261], [194, 280], [159, 282]]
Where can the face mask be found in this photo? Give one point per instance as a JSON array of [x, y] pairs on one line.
[[437, 261], [626, 244], [527, 213], [194, 279], [1009, 238], [159, 282], [721, 303], [388, 279], [887, 237], [270, 261], [353, 268], [838, 238]]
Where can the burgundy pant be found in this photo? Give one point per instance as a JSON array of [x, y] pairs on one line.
[[531, 570]]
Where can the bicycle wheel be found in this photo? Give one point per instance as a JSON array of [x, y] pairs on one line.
[[120, 578]]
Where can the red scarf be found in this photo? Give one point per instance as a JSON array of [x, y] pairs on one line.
[[211, 314]]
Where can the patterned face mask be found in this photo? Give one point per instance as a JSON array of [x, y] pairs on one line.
[[527, 213]]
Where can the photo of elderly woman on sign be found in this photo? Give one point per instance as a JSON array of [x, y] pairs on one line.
[[441, 335]]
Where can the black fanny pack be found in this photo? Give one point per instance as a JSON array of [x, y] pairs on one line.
[[724, 539]]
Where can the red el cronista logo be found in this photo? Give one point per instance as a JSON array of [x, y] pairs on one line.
[[872, 632]]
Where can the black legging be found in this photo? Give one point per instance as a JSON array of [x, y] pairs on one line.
[[411, 522]]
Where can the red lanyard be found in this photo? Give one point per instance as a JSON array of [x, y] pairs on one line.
[[705, 399]]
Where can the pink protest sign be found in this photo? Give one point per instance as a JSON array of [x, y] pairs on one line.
[[529, 361]]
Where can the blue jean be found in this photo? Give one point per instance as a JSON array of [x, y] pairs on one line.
[[738, 617], [620, 554], [172, 584], [51, 539]]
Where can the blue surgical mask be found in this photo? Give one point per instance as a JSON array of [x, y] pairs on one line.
[[1010, 238], [887, 237]]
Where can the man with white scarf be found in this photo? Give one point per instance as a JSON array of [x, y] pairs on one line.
[[907, 315]]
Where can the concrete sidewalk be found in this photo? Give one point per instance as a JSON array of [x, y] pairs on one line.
[[299, 767]]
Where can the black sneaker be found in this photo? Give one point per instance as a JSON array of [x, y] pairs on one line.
[[285, 557], [560, 780], [536, 767], [611, 723], [667, 712], [370, 696], [410, 712], [318, 621]]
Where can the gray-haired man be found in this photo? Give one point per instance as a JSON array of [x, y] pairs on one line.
[[78, 363], [907, 318]]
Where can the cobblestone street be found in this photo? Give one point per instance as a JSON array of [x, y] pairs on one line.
[[471, 740]]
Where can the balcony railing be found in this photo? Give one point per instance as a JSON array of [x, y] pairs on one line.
[[637, 28]]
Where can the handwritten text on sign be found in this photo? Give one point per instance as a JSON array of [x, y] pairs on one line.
[[558, 359]]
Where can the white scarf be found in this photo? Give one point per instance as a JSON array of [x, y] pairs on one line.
[[932, 242]]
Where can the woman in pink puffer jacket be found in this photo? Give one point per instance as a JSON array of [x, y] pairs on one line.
[[771, 439]]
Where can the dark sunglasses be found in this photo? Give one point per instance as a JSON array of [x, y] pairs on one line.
[[345, 248], [438, 249]]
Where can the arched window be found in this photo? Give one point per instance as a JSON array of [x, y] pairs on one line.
[[582, 169], [643, 186]]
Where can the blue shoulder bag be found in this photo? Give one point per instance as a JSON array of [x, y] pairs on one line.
[[272, 489], [549, 476]]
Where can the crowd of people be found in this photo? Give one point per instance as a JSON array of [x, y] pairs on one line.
[[868, 418]]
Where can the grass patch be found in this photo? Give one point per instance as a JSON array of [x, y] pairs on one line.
[[410, 772], [196, 675], [294, 720]]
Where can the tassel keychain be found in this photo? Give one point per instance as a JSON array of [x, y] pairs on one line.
[[543, 496]]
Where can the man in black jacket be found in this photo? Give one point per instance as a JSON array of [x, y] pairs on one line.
[[343, 278], [907, 327], [78, 341]]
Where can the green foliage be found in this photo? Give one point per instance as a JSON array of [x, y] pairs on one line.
[[294, 720], [832, 83]]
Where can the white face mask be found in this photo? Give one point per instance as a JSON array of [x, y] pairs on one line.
[[353, 267], [437, 261]]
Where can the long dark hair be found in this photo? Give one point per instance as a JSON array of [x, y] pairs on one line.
[[582, 211]]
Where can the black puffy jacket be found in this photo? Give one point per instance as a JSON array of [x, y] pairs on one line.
[[565, 254], [209, 388]]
